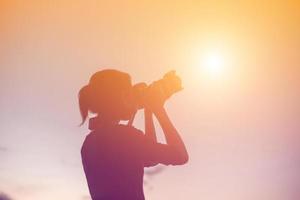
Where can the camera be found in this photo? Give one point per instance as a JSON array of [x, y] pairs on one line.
[[169, 84]]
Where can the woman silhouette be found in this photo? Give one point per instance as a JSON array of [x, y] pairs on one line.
[[114, 155]]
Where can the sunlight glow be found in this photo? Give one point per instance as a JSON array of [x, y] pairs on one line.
[[214, 64]]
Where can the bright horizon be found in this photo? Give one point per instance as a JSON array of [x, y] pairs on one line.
[[238, 113]]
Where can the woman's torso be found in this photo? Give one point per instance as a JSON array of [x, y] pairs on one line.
[[113, 164]]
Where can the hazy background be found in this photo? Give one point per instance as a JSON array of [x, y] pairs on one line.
[[241, 127]]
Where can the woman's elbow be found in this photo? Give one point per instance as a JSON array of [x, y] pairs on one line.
[[184, 159], [181, 160]]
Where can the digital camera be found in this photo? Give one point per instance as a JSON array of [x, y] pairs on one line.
[[169, 84]]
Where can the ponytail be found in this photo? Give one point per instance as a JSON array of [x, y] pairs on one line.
[[83, 97]]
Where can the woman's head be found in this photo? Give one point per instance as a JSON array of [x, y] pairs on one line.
[[108, 94]]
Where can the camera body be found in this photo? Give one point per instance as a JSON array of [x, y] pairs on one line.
[[168, 85]]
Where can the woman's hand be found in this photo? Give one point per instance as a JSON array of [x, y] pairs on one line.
[[155, 97]]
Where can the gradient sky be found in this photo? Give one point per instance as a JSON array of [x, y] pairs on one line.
[[241, 127]]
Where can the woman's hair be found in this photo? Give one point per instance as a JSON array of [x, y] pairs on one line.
[[104, 93]]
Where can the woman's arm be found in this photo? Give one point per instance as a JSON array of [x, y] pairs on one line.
[[149, 125], [173, 138], [174, 152], [149, 132]]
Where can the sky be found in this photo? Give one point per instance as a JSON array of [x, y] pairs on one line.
[[238, 113]]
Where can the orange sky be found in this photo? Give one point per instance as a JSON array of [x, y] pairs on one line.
[[240, 128]]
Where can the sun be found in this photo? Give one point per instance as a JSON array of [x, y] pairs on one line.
[[213, 64]]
